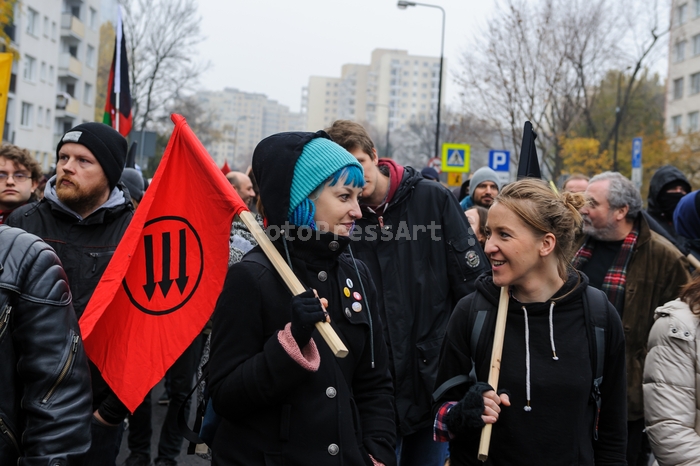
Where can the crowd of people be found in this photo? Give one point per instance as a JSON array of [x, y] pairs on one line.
[[599, 361]]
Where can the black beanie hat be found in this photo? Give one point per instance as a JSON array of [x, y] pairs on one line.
[[106, 144]]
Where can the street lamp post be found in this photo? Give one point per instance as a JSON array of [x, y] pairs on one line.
[[618, 116], [402, 4]]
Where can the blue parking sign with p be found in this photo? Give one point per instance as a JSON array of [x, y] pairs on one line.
[[637, 153], [499, 160]]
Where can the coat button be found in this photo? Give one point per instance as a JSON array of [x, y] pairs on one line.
[[333, 246], [331, 392], [333, 449], [674, 330], [348, 314], [322, 276]]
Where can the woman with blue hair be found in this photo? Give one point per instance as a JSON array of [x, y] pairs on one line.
[[284, 398]]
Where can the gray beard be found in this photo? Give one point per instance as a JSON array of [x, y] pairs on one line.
[[600, 234]]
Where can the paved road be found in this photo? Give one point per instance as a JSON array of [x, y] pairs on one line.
[[158, 415]]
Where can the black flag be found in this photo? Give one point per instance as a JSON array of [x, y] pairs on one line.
[[529, 164], [131, 156]]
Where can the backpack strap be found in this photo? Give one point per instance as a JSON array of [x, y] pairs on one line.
[[480, 303], [192, 435], [595, 305]]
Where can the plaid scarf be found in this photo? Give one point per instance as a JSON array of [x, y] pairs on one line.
[[615, 278]]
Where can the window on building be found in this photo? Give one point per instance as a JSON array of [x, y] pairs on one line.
[[696, 44], [696, 9], [32, 22], [88, 96], [92, 19], [29, 72], [53, 30], [693, 122], [46, 26], [695, 83], [26, 117], [681, 14], [51, 74], [42, 73], [40, 111], [678, 88], [679, 51], [73, 51], [70, 89], [676, 124], [90, 56], [48, 118], [75, 11]]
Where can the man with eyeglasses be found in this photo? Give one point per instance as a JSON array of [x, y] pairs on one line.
[[19, 178]]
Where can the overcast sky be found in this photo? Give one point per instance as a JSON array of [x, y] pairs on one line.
[[273, 46]]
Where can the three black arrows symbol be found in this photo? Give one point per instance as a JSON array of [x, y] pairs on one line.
[[166, 281]]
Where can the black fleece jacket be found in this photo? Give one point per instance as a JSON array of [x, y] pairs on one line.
[[559, 428]]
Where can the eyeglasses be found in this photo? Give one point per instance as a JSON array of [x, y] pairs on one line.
[[19, 177]]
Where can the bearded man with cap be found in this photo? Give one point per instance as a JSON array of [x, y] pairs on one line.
[[83, 216], [483, 189]]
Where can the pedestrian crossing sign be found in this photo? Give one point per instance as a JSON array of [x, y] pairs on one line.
[[455, 157]]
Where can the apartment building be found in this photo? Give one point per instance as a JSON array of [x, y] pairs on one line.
[[242, 120], [683, 88], [392, 90], [53, 82]]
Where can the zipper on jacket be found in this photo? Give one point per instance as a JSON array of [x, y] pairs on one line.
[[6, 430], [5, 319], [95, 256], [64, 371]]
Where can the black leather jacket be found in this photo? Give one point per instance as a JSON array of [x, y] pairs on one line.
[[45, 395]]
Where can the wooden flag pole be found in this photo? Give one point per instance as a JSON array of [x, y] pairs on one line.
[[292, 282], [495, 370]]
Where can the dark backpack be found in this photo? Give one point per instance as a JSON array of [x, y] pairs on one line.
[[595, 305]]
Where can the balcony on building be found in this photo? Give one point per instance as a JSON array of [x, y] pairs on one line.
[[66, 106], [69, 66], [71, 26]]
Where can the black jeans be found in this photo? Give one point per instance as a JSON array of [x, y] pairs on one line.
[[181, 376], [141, 429], [105, 444]]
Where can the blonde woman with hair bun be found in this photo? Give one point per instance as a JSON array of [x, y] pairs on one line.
[[546, 413]]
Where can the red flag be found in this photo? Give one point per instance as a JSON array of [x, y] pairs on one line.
[[225, 169], [161, 286], [118, 92]]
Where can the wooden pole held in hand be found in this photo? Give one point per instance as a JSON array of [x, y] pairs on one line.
[[332, 339], [495, 369]]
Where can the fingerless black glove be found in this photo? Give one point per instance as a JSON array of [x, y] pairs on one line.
[[465, 416], [306, 311]]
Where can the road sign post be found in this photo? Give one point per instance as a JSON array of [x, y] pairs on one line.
[[637, 162], [455, 157], [499, 161]]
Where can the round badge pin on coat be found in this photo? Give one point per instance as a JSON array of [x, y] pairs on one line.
[[349, 283], [357, 296], [357, 307], [346, 291]]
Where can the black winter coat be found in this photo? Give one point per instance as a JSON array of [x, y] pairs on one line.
[[559, 428], [85, 247], [274, 411], [420, 274], [45, 396]]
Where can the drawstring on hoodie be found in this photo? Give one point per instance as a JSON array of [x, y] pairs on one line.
[[527, 361], [369, 314], [528, 408], [551, 332]]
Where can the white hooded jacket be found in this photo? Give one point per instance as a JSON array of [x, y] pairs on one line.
[[671, 381]]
